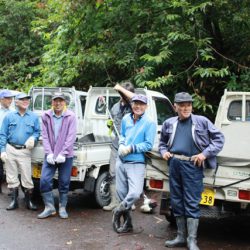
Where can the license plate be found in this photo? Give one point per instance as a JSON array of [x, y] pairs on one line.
[[36, 171], [207, 197]]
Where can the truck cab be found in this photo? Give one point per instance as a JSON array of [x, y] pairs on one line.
[[92, 147], [226, 188]]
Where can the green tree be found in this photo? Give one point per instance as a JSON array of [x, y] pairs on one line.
[[20, 48], [197, 46]]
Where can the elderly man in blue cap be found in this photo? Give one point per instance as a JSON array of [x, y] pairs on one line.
[[6, 98], [136, 137], [19, 132], [189, 143]]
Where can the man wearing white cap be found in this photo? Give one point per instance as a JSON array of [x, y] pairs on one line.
[[19, 132], [136, 137], [6, 98]]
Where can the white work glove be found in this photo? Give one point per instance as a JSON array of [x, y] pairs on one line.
[[60, 159], [4, 157], [30, 143], [124, 150], [50, 159]]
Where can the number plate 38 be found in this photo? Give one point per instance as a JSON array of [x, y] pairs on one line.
[[207, 197]]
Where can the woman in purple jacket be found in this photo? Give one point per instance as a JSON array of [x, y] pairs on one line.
[[59, 135]]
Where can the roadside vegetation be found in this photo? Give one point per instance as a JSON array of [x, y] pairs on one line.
[[198, 46]]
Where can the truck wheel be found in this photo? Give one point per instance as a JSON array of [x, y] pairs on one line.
[[36, 191], [169, 215], [102, 194]]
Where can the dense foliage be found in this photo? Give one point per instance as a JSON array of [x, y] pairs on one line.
[[20, 48], [197, 46]]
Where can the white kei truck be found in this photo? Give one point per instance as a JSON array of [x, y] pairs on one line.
[[92, 147], [226, 188]]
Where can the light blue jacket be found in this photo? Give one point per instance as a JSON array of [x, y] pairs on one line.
[[206, 136], [17, 129], [139, 135]]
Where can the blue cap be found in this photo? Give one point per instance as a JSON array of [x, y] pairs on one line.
[[140, 98], [22, 96], [5, 93]]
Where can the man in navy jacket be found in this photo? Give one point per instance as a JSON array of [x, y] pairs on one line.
[[189, 143]]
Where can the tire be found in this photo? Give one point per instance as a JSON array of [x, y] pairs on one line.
[[102, 194], [36, 191], [169, 215]]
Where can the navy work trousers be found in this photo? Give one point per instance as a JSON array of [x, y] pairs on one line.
[[186, 186], [48, 172]]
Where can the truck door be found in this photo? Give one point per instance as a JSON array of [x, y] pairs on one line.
[[163, 110]]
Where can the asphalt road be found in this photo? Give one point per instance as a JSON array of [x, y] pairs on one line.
[[89, 228]]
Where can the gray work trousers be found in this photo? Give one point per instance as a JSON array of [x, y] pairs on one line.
[[112, 161], [129, 181]]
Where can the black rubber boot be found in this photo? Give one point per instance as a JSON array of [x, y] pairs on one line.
[[1, 175], [180, 240], [192, 226], [127, 225], [14, 204], [28, 202], [117, 213]]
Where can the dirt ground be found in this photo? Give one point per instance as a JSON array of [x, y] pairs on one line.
[[90, 228]]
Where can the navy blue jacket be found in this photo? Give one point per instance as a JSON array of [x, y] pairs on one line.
[[206, 136]]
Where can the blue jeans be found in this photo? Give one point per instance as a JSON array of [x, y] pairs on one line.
[[48, 172], [186, 186]]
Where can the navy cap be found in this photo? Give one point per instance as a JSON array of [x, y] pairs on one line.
[[141, 98], [183, 97], [5, 93], [58, 95], [22, 96]]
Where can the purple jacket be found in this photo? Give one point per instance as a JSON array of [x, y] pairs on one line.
[[206, 136], [66, 137]]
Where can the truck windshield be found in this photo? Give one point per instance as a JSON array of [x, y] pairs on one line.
[[164, 109], [40, 103], [100, 106], [235, 111]]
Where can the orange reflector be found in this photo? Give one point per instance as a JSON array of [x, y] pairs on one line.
[[156, 184], [244, 195], [74, 171]]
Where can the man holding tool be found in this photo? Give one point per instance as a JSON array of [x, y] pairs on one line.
[[126, 89]]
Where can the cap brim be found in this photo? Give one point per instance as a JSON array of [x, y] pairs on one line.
[[8, 96], [136, 100], [183, 101], [58, 97], [24, 97]]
